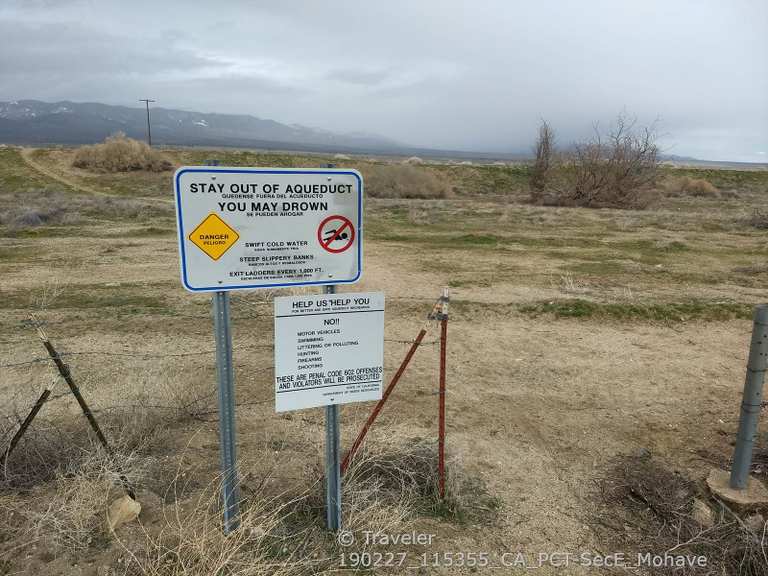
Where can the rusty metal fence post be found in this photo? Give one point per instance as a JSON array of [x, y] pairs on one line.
[[440, 313]]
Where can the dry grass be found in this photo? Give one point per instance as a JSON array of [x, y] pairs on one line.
[[69, 514], [570, 284], [191, 542], [649, 508], [118, 153], [284, 533], [525, 260], [74, 518], [404, 181]]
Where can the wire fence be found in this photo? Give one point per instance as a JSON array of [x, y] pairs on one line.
[[137, 383], [147, 355], [180, 381]]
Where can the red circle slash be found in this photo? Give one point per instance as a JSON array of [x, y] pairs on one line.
[[337, 233]]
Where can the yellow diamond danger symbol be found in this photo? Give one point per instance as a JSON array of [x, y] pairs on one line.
[[214, 236]]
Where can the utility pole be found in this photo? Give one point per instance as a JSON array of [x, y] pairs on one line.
[[149, 129]]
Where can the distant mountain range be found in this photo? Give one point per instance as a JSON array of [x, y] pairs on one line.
[[35, 122], [38, 123]]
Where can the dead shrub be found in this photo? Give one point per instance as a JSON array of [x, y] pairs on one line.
[[542, 165], [118, 153], [687, 186], [756, 269], [404, 181], [758, 219], [401, 474], [406, 477], [46, 448], [618, 170], [649, 508], [56, 444]]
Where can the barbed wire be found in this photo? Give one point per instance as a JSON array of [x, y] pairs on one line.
[[44, 359], [25, 362]]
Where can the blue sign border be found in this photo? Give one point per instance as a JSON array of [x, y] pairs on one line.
[[209, 170]]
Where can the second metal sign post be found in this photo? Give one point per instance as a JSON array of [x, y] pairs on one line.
[[329, 350]]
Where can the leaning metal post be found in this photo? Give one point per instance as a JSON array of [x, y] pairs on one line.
[[225, 374], [332, 460], [752, 400], [380, 404], [67, 376]]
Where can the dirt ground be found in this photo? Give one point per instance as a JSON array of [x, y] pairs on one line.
[[575, 337]]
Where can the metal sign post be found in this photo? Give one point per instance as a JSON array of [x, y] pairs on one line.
[[230, 492], [246, 228], [332, 459]]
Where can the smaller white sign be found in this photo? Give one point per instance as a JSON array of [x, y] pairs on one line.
[[329, 349]]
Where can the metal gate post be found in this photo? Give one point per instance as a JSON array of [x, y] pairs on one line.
[[230, 491], [752, 400]]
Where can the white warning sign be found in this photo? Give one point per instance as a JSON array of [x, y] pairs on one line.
[[268, 227], [329, 349]]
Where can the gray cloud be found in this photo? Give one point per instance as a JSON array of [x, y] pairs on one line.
[[78, 51], [358, 76], [440, 73]]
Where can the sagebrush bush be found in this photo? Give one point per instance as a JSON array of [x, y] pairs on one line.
[[55, 208], [758, 219], [118, 153], [404, 181]]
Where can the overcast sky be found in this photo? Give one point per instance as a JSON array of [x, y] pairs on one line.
[[472, 75]]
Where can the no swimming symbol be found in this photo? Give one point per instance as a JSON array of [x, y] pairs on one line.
[[336, 234]]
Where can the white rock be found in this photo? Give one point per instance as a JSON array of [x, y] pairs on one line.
[[122, 510], [755, 522], [702, 513]]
